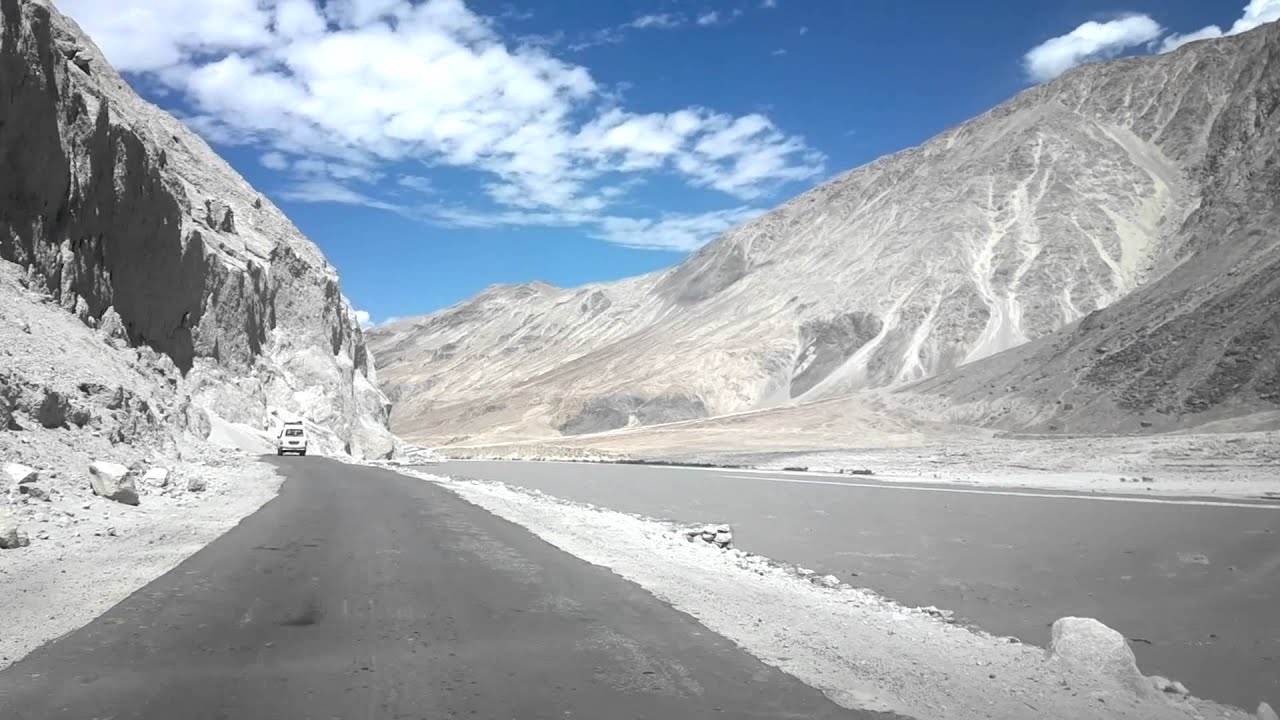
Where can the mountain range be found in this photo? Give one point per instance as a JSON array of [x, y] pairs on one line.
[[1099, 253]]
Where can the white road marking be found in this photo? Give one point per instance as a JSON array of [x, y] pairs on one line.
[[1013, 493]]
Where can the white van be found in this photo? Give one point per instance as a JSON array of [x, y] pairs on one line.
[[292, 439]]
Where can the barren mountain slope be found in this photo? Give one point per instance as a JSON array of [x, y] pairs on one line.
[[1000, 231], [133, 223], [1202, 343]]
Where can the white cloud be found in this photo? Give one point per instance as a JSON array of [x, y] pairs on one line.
[[1089, 42], [274, 160], [174, 28], [657, 20], [362, 317], [417, 183], [804, 29], [769, 3], [672, 232], [347, 97], [1257, 12], [711, 17], [778, 52]]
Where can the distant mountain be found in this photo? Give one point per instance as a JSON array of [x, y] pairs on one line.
[[1089, 223]]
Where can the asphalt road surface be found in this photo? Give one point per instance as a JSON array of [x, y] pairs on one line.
[[361, 594], [1195, 585]]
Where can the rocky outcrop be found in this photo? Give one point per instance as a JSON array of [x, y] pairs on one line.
[[131, 222], [1129, 202]]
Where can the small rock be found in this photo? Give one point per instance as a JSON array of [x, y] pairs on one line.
[[111, 530], [20, 474], [156, 477], [723, 539], [1266, 713], [196, 484], [829, 581], [12, 536], [35, 492]]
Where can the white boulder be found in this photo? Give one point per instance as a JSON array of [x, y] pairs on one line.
[[19, 474], [1084, 646], [113, 481], [156, 477], [12, 536], [1266, 713]]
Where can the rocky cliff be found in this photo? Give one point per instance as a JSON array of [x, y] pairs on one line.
[[1103, 186], [131, 222]]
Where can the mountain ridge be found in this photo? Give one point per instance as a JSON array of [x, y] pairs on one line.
[[997, 232]]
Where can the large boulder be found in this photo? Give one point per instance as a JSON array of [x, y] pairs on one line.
[[113, 481], [1086, 647]]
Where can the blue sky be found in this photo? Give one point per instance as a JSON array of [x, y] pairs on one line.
[[434, 148]]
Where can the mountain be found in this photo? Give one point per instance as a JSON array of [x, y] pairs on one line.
[[116, 212], [1105, 226]]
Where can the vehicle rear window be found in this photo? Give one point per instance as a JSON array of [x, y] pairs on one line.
[[293, 432]]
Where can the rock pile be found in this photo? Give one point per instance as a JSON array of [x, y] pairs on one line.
[[719, 535]]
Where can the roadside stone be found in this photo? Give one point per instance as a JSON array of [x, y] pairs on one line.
[[156, 477], [35, 492], [113, 481], [1171, 687], [196, 484], [1087, 647], [19, 474], [12, 536]]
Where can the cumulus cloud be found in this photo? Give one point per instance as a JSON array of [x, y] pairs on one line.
[[711, 17], [347, 96], [1256, 13], [672, 232], [274, 160], [1089, 42], [362, 317]]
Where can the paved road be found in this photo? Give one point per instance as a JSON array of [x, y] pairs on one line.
[[359, 593], [1196, 586]]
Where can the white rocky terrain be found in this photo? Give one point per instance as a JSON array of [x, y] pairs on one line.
[[1097, 254], [157, 318], [125, 218]]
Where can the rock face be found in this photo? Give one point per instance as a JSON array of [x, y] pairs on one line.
[[113, 482], [131, 222], [1123, 214]]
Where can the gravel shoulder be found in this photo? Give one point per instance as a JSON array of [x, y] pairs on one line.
[[88, 553]]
